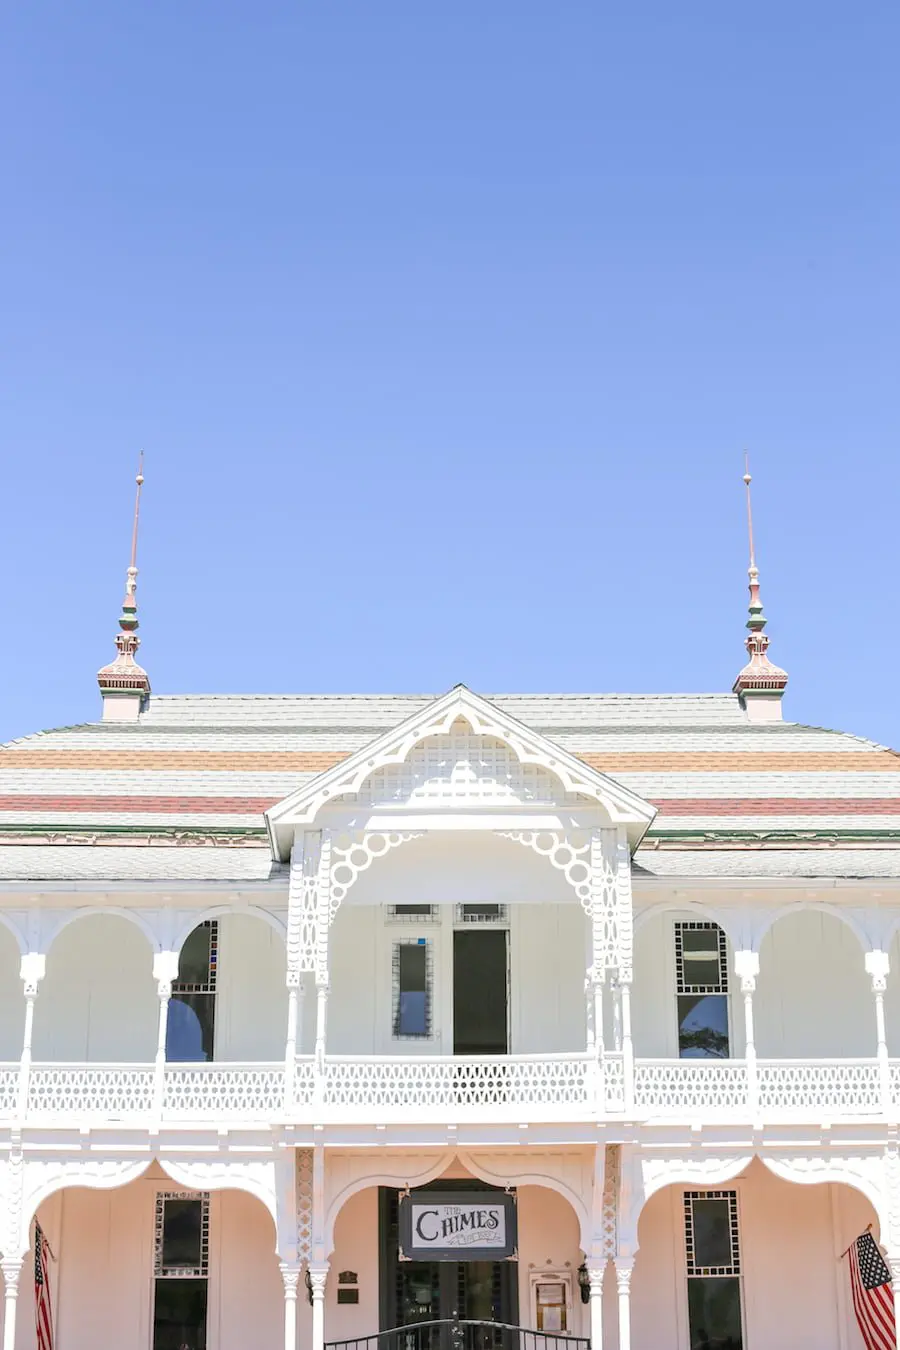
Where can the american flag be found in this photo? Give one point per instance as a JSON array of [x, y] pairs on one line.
[[873, 1295], [43, 1318]]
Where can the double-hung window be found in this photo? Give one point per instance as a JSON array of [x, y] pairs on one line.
[[701, 980], [181, 1271], [713, 1263]]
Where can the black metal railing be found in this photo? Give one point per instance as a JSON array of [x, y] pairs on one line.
[[462, 1334]]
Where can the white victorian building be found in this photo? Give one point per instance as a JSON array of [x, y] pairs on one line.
[[497, 1020]]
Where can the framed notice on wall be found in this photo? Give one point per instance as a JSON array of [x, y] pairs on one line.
[[457, 1226]]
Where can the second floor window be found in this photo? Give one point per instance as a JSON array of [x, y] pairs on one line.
[[412, 989], [190, 1029], [701, 990]]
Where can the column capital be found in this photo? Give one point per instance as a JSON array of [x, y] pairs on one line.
[[165, 970], [12, 1268], [318, 1274], [32, 969], [624, 1266], [290, 1274], [878, 965], [746, 967], [596, 1269]]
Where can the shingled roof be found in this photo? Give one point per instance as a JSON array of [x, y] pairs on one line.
[[204, 768]]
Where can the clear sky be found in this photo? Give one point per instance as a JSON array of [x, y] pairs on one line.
[[443, 327]]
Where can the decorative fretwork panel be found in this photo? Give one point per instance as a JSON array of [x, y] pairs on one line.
[[9, 1084], [304, 1202], [419, 1081], [569, 854], [254, 1091], [610, 1211], [841, 1087], [74, 1090], [302, 905], [461, 767], [352, 854], [670, 1086], [614, 1081]]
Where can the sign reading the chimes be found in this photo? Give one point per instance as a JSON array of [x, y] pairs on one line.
[[457, 1226]]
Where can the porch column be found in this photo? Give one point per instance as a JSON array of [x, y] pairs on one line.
[[746, 967], [11, 1270], [596, 1270], [296, 994], [877, 967], [318, 1274], [165, 970], [624, 1267], [32, 968], [627, 1046], [291, 1277]]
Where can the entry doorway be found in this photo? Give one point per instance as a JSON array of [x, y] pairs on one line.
[[480, 991], [413, 1292]]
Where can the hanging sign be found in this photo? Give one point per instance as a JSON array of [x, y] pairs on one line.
[[457, 1226]]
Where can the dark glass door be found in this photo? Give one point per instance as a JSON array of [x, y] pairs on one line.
[[480, 992]]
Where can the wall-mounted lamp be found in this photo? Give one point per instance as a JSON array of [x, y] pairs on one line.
[[308, 1278], [584, 1283]]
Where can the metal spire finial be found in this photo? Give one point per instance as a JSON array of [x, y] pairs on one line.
[[759, 676], [124, 675]]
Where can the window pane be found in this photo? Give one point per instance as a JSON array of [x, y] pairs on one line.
[[412, 911], [482, 911], [190, 1028], [700, 956], [714, 1313], [181, 1236], [412, 992], [703, 1026], [193, 963], [712, 1233], [179, 1321]]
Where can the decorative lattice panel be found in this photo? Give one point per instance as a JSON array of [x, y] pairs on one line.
[[614, 1082], [846, 1087], [9, 1084], [461, 767], [302, 903], [610, 1212], [463, 1081], [304, 1202], [681, 1085], [90, 1089], [254, 1091]]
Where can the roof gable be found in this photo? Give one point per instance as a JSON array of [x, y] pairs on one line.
[[531, 750]]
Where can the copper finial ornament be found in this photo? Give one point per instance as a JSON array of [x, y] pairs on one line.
[[759, 675], [123, 675]]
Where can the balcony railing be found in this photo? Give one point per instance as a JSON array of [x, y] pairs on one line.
[[387, 1089]]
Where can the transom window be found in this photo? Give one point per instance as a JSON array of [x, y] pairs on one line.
[[413, 913], [713, 1264], [413, 983], [701, 986], [181, 1270], [481, 914]]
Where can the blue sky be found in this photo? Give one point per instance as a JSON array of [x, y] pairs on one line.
[[443, 328]]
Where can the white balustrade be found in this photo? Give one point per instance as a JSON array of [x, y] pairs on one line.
[[802, 1087], [9, 1079], [674, 1087], [111, 1091], [614, 1082], [223, 1091], [544, 1085]]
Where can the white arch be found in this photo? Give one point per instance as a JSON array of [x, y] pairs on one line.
[[195, 919], [819, 906], [73, 916], [399, 1178], [13, 928], [547, 1180]]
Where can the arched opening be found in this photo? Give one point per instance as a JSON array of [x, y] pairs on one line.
[[813, 997], [539, 1289], [229, 1001], [749, 1261], [154, 1263], [97, 1001], [12, 1003], [683, 996]]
